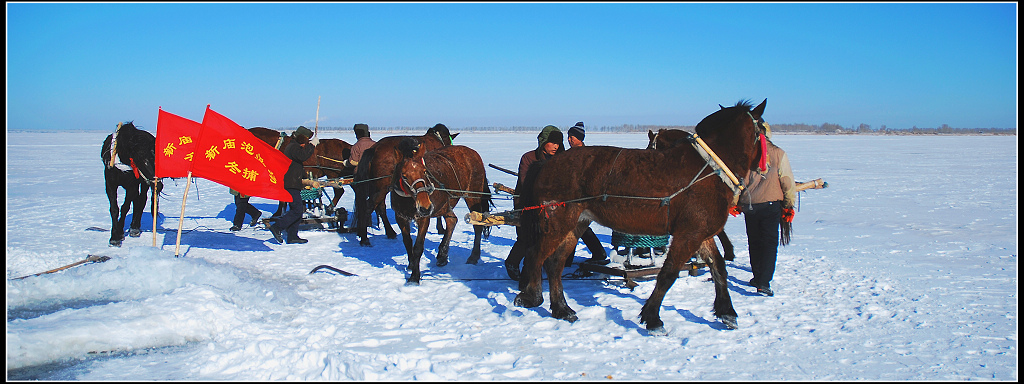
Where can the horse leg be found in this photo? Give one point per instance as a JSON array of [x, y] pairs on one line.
[[723, 308], [442, 249], [403, 225], [130, 194], [417, 251], [559, 308], [440, 227], [474, 257], [726, 246], [280, 209], [546, 245], [138, 208], [116, 227], [680, 250], [334, 201], [382, 213]]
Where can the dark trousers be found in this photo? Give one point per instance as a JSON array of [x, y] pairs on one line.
[[289, 221], [242, 208], [762, 221]]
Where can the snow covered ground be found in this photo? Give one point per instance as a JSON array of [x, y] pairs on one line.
[[904, 268]]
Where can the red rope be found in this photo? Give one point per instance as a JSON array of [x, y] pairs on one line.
[[561, 203], [134, 168]]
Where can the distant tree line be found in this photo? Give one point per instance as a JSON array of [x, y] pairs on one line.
[[822, 129], [831, 129]]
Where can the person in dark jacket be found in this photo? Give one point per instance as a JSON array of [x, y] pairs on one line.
[[298, 150], [549, 143], [597, 253]]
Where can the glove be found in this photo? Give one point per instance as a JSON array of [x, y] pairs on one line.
[[315, 141], [735, 210], [787, 214]]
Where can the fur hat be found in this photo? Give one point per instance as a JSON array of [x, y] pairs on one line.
[[303, 131], [550, 134], [361, 130], [577, 131]]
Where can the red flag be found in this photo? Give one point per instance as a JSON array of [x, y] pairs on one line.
[[175, 144], [231, 156]]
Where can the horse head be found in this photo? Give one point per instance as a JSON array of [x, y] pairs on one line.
[[137, 148], [412, 178], [665, 138], [442, 133], [736, 133]]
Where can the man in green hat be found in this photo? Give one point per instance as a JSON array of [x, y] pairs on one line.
[[298, 150], [549, 143]]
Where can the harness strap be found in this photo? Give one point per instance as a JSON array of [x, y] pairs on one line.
[[280, 139], [718, 166]]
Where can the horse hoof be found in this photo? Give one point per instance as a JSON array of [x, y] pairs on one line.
[[570, 317], [522, 301], [134, 232], [442, 262], [365, 243], [115, 243], [473, 261], [730, 322], [412, 283], [658, 331], [512, 270], [393, 236]]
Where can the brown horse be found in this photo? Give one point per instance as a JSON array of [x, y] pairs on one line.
[[373, 177], [430, 184], [326, 160], [668, 138], [639, 191]]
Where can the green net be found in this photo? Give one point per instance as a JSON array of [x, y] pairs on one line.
[[638, 241]]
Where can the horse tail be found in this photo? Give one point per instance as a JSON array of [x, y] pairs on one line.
[[362, 187], [486, 200], [530, 218], [786, 230]]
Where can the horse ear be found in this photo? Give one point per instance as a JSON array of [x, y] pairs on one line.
[[650, 134], [454, 135], [720, 107], [420, 150], [759, 110]]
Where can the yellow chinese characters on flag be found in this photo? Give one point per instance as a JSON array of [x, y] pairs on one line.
[[175, 144], [231, 156]]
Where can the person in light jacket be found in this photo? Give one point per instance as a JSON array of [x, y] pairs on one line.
[[767, 203]]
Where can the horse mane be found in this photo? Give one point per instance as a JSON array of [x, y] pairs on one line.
[[745, 103], [408, 147]]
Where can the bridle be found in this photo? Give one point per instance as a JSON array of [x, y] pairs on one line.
[[409, 189]]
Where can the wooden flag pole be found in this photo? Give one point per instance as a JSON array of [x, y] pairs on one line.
[[316, 125], [156, 209], [188, 182]]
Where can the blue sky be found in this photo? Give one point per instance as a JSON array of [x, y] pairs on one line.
[[90, 65]]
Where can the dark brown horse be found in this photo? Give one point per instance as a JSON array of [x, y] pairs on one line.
[[430, 184], [326, 161], [638, 191], [373, 177], [134, 170], [668, 138]]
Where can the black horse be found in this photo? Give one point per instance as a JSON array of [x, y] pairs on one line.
[[134, 169]]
